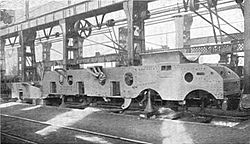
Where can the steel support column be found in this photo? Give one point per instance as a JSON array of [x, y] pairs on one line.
[[46, 54], [21, 59], [188, 21], [140, 14], [62, 24], [26, 56], [247, 47], [26, 9], [179, 28], [182, 27], [2, 58], [128, 9], [136, 12], [75, 50], [72, 45]]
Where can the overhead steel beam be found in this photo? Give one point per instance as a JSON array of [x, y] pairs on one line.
[[82, 10], [210, 39], [204, 50], [237, 46], [87, 60]]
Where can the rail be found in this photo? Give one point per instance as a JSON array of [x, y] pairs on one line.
[[78, 130], [18, 138]]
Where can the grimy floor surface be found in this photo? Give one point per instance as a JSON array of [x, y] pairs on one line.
[[54, 120]]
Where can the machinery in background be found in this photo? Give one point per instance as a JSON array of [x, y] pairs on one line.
[[25, 91], [6, 85], [7, 16]]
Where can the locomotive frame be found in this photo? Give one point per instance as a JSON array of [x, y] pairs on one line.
[[169, 74]]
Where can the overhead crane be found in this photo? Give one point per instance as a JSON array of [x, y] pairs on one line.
[[63, 17]]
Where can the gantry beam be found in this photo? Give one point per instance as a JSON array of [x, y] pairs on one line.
[[237, 46], [203, 50], [87, 60], [210, 39], [85, 9], [77, 11]]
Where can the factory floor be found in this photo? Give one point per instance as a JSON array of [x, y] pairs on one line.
[[47, 124]]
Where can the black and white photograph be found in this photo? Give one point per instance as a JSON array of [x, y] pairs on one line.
[[125, 71]]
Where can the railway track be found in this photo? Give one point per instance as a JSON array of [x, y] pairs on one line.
[[113, 128], [195, 111], [19, 139], [114, 137]]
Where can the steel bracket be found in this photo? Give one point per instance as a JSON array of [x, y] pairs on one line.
[[99, 24]]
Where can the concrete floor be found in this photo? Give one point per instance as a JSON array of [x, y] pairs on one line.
[[131, 127]]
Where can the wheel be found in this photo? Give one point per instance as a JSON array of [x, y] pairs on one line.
[[83, 28]]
